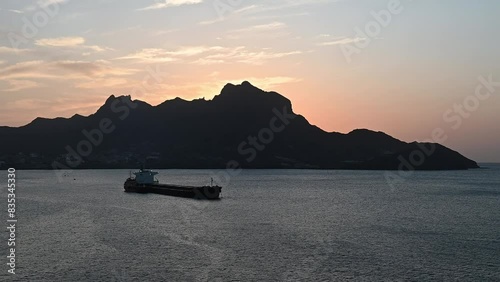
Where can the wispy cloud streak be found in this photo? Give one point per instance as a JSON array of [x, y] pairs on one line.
[[170, 3]]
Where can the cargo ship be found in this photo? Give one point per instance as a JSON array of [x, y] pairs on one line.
[[145, 181]]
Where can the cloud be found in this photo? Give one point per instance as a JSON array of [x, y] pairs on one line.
[[273, 30], [70, 42], [62, 70], [261, 28], [278, 5], [161, 32], [243, 55], [275, 16], [8, 50], [235, 13], [60, 41], [194, 50], [96, 48], [27, 104], [162, 55], [206, 55], [103, 83], [23, 70], [149, 55], [93, 69], [332, 41], [170, 3], [17, 85]]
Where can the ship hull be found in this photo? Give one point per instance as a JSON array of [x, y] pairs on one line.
[[202, 192]]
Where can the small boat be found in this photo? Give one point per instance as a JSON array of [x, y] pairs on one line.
[[145, 181]]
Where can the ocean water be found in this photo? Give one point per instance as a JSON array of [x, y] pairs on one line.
[[271, 225]]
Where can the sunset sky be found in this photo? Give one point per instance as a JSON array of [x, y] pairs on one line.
[[411, 65]]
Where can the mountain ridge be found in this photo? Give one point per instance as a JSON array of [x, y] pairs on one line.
[[256, 128]]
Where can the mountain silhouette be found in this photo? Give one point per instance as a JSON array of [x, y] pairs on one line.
[[242, 125]]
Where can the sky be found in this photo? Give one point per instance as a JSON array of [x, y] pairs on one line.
[[407, 68]]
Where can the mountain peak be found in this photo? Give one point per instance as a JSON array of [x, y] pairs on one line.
[[247, 84], [110, 99], [75, 116], [245, 87], [228, 88]]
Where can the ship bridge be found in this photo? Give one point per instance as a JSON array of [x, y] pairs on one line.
[[145, 176]]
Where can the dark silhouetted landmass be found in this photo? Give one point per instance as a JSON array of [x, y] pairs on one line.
[[211, 134]]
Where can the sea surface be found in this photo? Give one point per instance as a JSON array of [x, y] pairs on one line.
[[271, 225]]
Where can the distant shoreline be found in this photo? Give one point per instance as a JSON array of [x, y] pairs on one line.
[[481, 166]]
